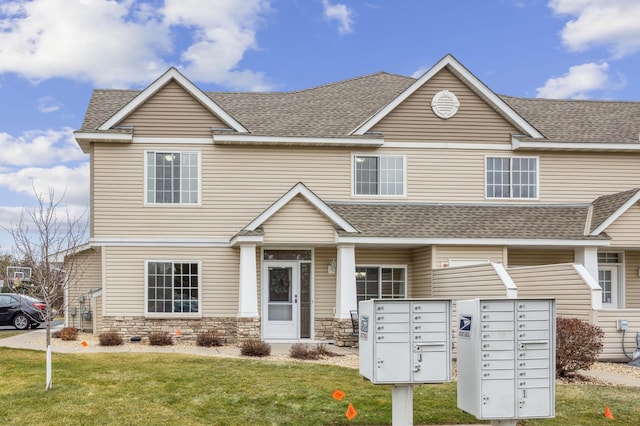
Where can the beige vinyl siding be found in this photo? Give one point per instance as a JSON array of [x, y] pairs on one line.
[[86, 270], [324, 283], [444, 254], [561, 282], [125, 286], [468, 282], [97, 314], [172, 112], [238, 183], [606, 320], [413, 119], [420, 286], [625, 230], [299, 222], [583, 176], [532, 257], [632, 279]]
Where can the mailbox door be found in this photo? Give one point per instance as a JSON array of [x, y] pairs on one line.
[[393, 362]]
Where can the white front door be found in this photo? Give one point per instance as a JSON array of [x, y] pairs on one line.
[[608, 280], [280, 292]]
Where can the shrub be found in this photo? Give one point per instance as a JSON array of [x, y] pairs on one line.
[[69, 333], [578, 345], [302, 351], [110, 338], [208, 339], [56, 334], [255, 348], [160, 338]]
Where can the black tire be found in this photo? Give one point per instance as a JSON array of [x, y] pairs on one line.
[[21, 322]]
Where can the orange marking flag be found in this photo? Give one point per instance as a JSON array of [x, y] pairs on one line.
[[177, 332], [351, 412], [84, 344], [338, 394], [607, 413]]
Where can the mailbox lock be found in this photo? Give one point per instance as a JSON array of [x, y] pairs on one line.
[[417, 327]]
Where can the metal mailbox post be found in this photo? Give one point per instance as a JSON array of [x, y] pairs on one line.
[[506, 358], [405, 342]]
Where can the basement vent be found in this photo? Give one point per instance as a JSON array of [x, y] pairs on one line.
[[445, 104]]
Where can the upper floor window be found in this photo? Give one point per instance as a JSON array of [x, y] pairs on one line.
[[512, 177], [172, 177], [379, 175]]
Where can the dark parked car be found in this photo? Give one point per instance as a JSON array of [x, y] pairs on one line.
[[21, 311]]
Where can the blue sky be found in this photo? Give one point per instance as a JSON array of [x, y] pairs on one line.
[[54, 52]]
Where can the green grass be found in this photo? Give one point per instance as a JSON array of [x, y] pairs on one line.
[[6, 334], [155, 389]]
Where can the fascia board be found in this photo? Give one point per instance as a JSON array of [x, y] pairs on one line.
[[159, 83], [468, 241], [102, 137], [626, 206], [159, 242], [449, 60], [573, 146], [300, 189], [291, 140]]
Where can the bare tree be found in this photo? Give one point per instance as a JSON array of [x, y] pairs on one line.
[[44, 240]]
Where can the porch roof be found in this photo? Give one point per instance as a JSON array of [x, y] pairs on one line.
[[530, 222]]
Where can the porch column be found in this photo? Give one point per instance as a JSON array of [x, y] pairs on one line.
[[588, 257], [346, 300], [248, 294]]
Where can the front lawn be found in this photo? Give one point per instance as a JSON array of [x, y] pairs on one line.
[[153, 389]]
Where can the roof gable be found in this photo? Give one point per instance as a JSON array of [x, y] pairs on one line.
[[608, 208], [172, 74], [466, 77], [301, 190]]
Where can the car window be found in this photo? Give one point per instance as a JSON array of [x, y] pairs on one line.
[[5, 299]]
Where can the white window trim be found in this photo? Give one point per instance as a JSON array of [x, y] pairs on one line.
[[353, 175], [172, 205], [148, 314], [380, 266], [510, 157]]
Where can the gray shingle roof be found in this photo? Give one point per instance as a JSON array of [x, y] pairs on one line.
[[382, 220], [335, 110], [581, 121], [605, 206]]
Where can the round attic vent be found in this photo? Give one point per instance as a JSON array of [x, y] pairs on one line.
[[445, 104]]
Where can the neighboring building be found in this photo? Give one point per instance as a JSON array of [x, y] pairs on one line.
[[269, 215]]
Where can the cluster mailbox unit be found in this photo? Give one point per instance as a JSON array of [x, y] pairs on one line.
[[506, 358], [405, 341]]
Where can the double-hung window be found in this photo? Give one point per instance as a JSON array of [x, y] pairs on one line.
[[172, 177], [379, 175], [381, 282], [173, 287], [512, 177]]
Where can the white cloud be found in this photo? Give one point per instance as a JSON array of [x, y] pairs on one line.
[[70, 182], [580, 80], [101, 41], [123, 43], [614, 24], [222, 32], [47, 104], [341, 13], [40, 147]]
